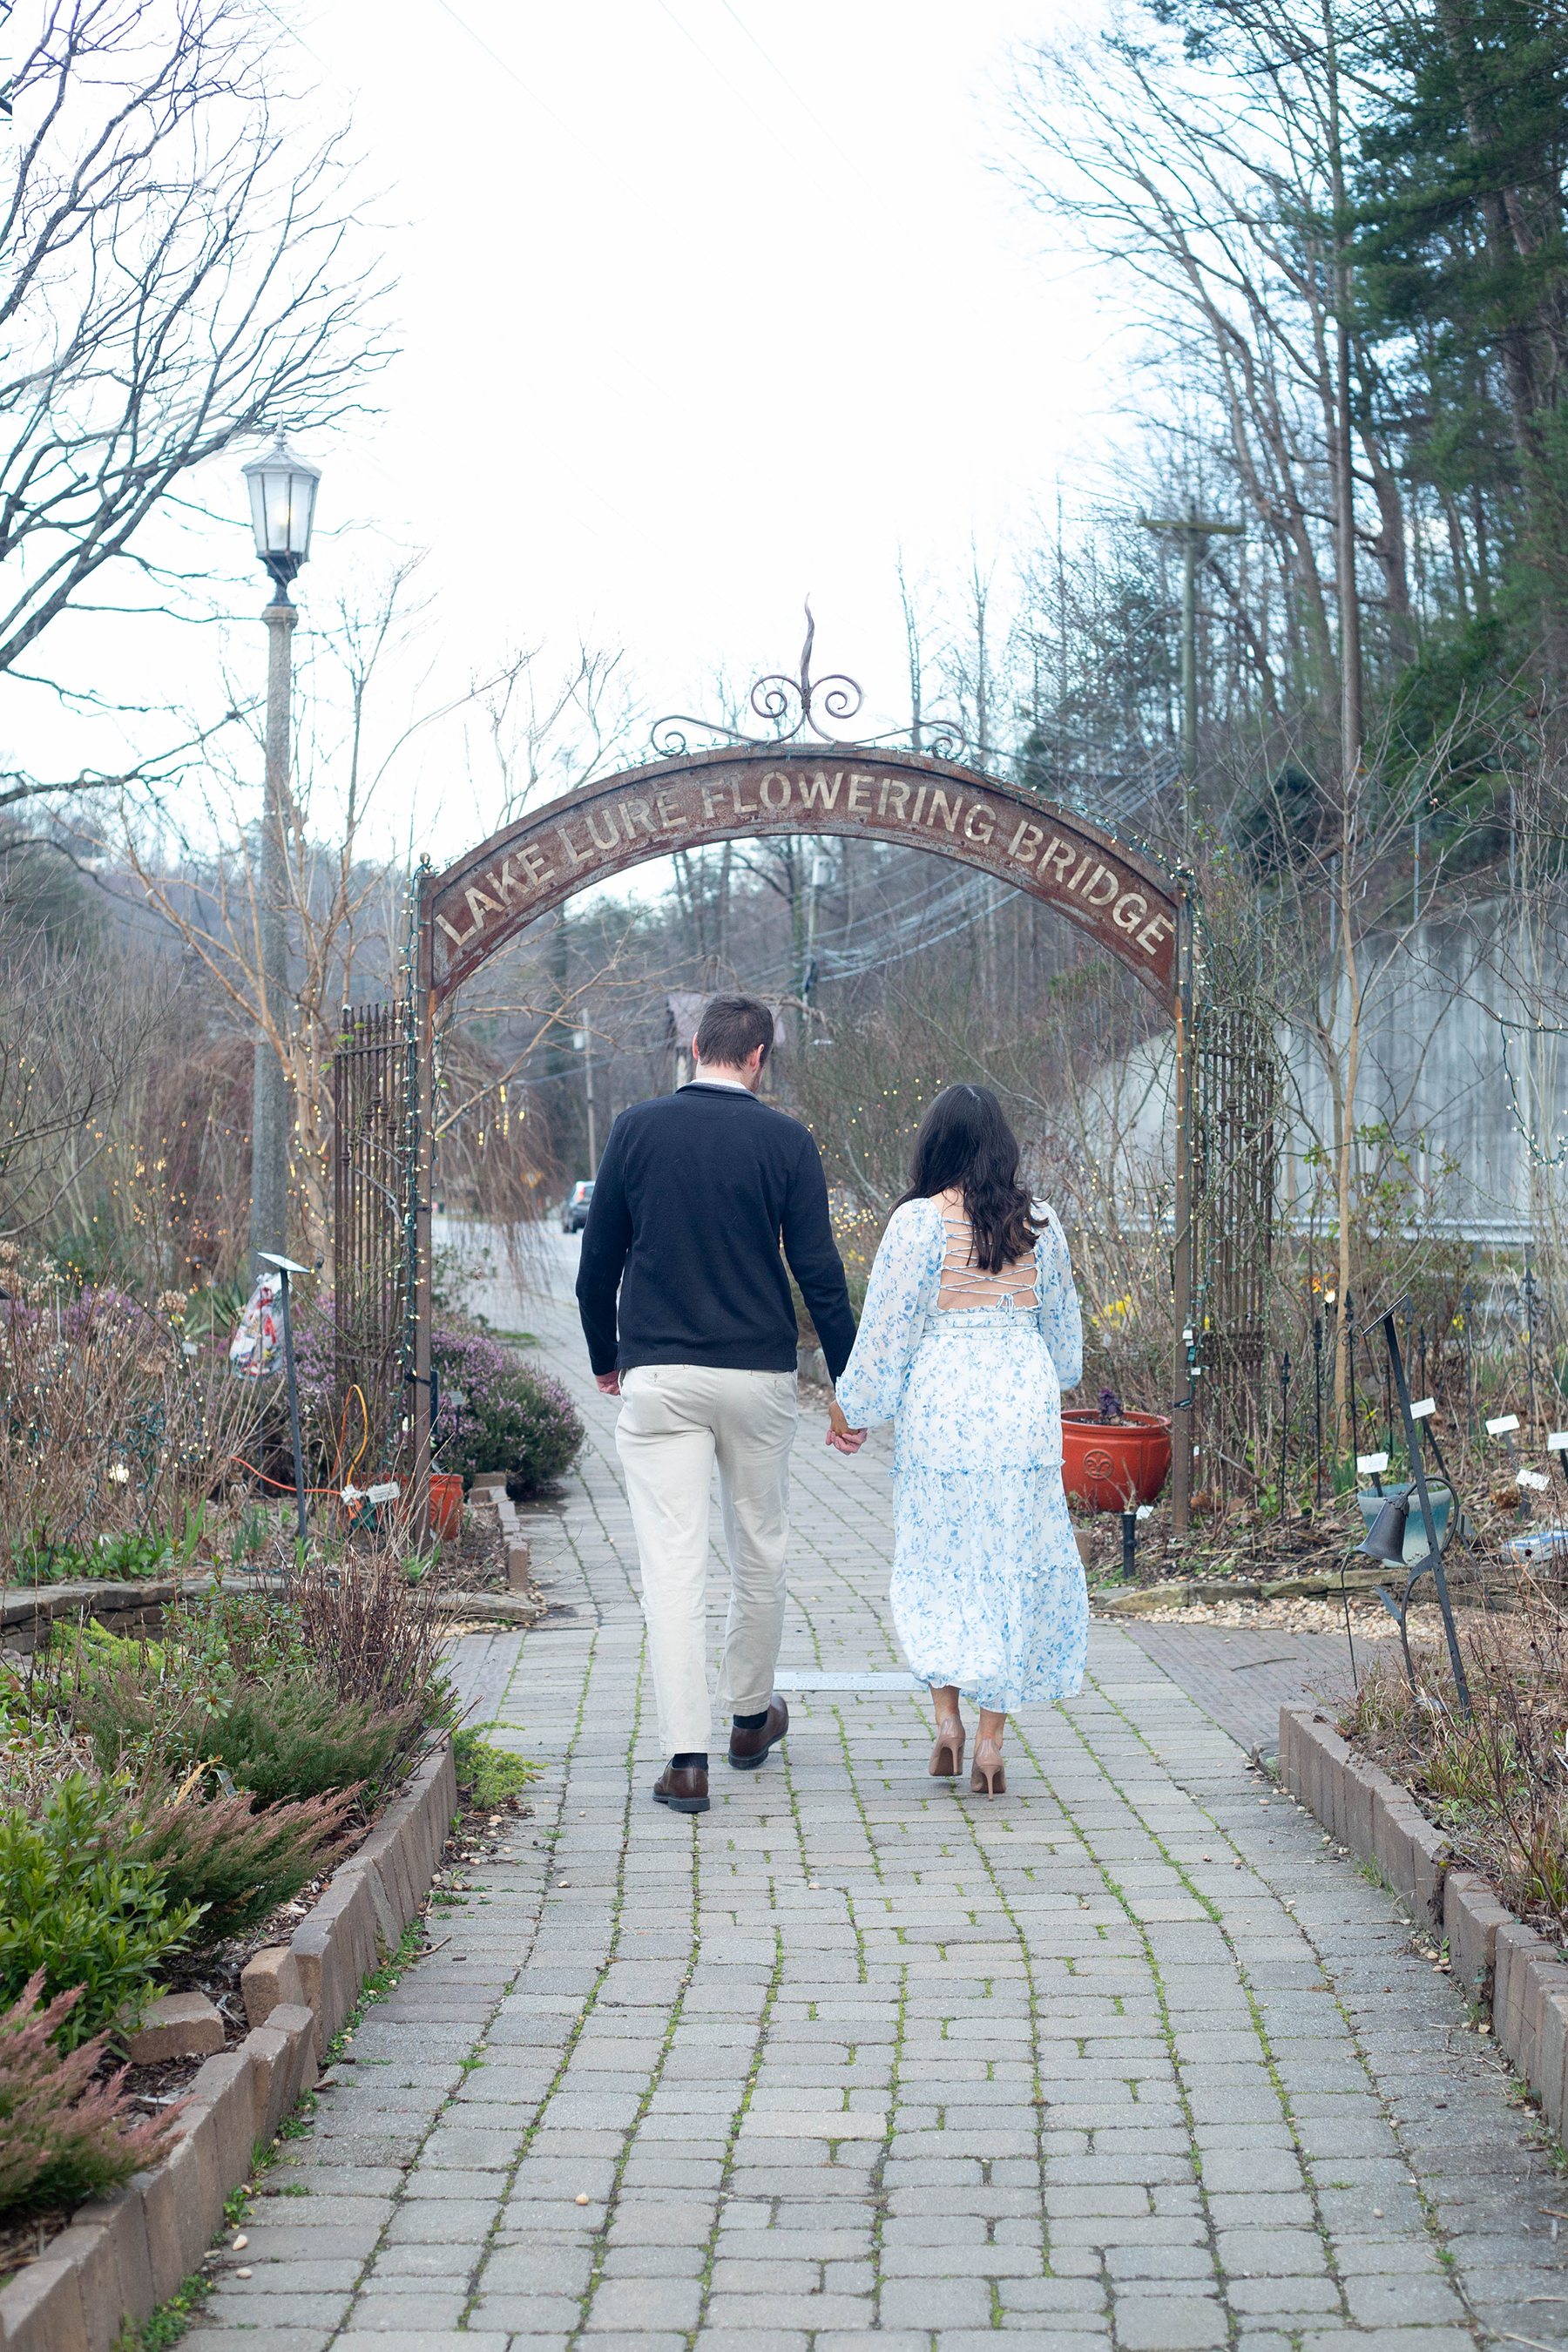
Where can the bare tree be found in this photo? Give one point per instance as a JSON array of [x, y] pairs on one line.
[[182, 275], [77, 1022]]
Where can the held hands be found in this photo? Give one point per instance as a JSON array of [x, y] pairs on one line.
[[609, 1382], [840, 1436]]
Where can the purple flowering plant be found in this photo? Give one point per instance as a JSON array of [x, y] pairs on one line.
[[493, 1412]]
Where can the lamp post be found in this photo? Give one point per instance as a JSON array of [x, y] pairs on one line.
[[282, 489]]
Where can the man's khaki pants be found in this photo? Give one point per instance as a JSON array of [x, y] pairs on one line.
[[676, 1422]]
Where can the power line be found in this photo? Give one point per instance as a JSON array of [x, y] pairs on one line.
[[806, 110], [734, 89], [544, 107]]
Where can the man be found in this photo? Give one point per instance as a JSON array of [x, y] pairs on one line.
[[694, 1194]]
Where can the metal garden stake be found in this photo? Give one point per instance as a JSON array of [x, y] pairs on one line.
[[1529, 1333], [1318, 1399], [1503, 1426], [1284, 1425], [286, 1266], [1433, 1560]]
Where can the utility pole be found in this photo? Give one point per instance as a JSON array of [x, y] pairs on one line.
[[1195, 532]]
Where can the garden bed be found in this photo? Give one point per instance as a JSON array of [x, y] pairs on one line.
[[1514, 1983], [71, 2278], [1495, 1782]]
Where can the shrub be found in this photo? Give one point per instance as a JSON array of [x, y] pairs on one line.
[[525, 1426], [329, 1687], [106, 1427], [63, 2137], [487, 1775], [233, 1864], [142, 1705], [77, 1913], [366, 1632], [279, 1739]]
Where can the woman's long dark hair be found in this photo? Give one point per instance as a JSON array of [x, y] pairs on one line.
[[966, 1144]]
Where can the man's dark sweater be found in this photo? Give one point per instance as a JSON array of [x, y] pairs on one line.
[[694, 1195]]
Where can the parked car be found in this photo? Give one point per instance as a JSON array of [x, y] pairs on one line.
[[574, 1208]]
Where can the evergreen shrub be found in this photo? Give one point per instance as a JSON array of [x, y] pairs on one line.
[[64, 2138], [80, 1913], [234, 1864]]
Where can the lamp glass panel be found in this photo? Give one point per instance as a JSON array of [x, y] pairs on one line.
[[281, 501], [257, 488]]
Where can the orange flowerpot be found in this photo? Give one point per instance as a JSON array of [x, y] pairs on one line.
[[446, 1505], [1112, 1464]]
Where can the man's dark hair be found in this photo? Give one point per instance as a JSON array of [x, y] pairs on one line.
[[731, 1030]]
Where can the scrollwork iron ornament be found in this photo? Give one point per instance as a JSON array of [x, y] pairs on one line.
[[797, 707]]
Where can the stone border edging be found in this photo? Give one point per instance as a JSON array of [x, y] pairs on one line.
[[126, 2253], [1145, 1600], [1495, 1958]]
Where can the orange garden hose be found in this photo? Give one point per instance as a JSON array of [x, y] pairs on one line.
[[286, 1486]]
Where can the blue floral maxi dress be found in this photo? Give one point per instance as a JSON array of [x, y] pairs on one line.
[[988, 1590]]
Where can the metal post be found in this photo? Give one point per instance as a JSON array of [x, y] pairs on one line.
[[302, 1525], [1529, 1333], [270, 1088], [1348, 1327], [1189, 672], [422, 1177], [1467, 1307], [1318, 1399], [583, 1042], [820, 871], [1284, 1425], [1418, 1470], [1185, 1350]]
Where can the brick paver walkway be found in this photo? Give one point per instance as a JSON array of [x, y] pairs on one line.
[[1120, 2059], [1243, 1678]]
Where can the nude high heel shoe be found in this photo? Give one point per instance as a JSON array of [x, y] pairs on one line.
[[947, 1756], [988, 1776]]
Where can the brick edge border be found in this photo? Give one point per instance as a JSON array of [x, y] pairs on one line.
[[124, 2255], [1499, 1962]]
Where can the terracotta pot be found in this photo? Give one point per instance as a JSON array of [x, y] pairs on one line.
[[446, 1505], [1112, 1464]]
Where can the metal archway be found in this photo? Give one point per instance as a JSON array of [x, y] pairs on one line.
[[1136, 908]]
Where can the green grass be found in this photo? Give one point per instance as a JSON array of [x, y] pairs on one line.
[[169, 2322]]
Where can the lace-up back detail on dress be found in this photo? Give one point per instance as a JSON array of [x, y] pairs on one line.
[[964, 1284]]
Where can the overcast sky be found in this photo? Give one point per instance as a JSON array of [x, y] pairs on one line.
[[704, 304]]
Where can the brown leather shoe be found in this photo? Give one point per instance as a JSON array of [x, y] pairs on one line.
[[750, 1748], [684, 1791]]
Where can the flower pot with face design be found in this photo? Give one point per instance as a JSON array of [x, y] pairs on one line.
[[1112, 1465]]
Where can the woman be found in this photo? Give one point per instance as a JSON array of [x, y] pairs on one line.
[[970, 1334]]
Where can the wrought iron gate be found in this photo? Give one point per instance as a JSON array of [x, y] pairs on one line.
[[374, 1106]]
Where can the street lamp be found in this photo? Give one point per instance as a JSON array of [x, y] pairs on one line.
[[282, 489]]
